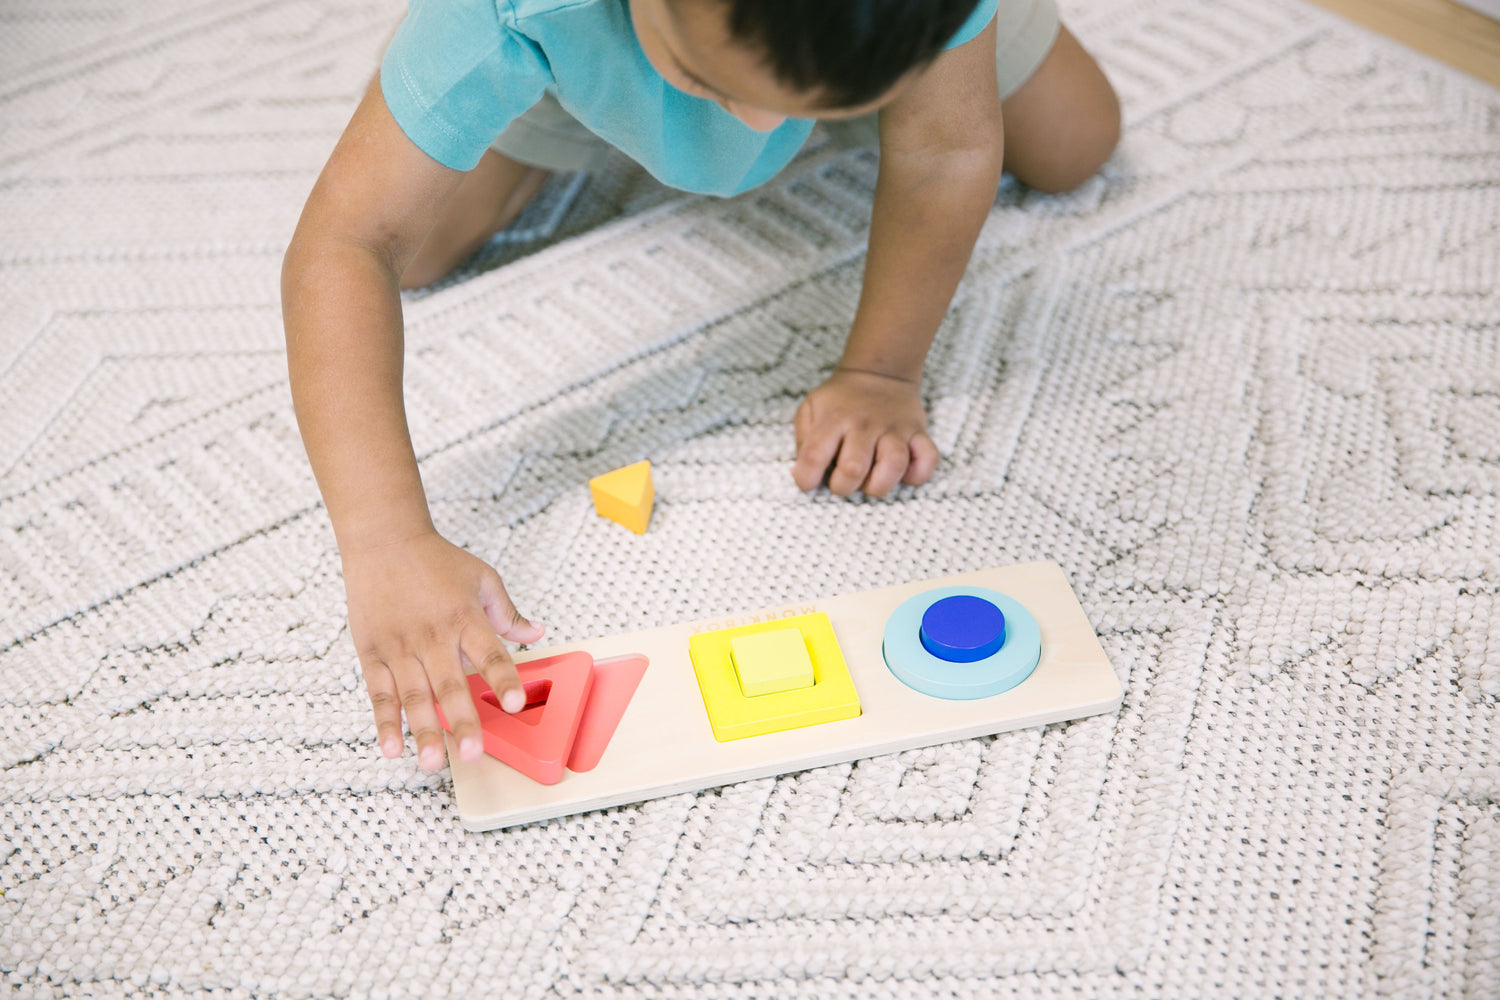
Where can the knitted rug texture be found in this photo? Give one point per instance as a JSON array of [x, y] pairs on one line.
[[1244, 386]]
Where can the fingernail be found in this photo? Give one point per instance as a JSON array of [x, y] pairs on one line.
[[468, 748], [513, 700], [391, 747], [431, 759]]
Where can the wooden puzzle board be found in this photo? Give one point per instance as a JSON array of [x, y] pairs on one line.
[[664, 745]]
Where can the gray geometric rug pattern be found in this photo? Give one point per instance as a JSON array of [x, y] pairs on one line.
[[1244, 386]]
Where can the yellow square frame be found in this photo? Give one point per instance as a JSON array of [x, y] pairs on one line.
[[734, 716]]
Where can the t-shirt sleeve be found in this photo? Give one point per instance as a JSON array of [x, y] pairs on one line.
[[456, 74], [977, 22]]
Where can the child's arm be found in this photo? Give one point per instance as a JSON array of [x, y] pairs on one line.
[[419, 607], [941, 148]]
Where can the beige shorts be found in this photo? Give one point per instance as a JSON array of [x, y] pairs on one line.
[[549, 137]]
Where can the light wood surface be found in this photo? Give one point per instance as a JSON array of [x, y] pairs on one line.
[[1457, 35], [664, 744]]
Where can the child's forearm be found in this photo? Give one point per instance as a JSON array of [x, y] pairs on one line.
[[926, 218], [421, 610], [344, 353]]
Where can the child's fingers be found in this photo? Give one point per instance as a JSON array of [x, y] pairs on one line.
[[385, 701], [502, 614], [801, 424], [856, 456], [815, 453], [421, 717], [891, 456], [450, 688], [489, 655], [923, 461]]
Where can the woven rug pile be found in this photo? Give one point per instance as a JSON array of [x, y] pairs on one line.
[[1244, 386]]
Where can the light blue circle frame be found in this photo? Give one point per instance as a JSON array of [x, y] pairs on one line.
[[921, 671]]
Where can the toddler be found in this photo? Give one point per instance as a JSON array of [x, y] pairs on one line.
[[477, 100]]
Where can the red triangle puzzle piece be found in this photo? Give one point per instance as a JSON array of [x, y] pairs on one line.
[[615, 681], [538, 740]]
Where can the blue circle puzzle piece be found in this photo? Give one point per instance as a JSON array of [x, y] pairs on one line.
[[962, 628], [1017, 655]]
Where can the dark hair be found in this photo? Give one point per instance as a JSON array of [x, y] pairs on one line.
[[848, 51]]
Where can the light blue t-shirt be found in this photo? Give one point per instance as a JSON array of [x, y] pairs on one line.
[[459, 71]]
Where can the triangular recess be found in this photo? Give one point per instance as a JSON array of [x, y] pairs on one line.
[[615, 681], [537, 746]]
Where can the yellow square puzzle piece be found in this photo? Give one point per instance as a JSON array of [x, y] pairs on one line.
[[768, 662], [733, 715]]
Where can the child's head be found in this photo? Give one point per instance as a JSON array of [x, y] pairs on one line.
[[768, 60]]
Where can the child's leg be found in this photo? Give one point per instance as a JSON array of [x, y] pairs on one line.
[[485, 202], [1062, 119], [1063, 122]]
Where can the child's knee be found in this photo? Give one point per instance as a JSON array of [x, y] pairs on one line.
[[1087, 145], [1064, 123]]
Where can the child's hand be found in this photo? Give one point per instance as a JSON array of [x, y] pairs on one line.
[[875, 427], [419, 610]]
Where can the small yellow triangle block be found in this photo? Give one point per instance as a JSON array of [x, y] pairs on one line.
[[625, 495]]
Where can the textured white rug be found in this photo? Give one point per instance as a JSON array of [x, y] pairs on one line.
[[1245, 387]]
